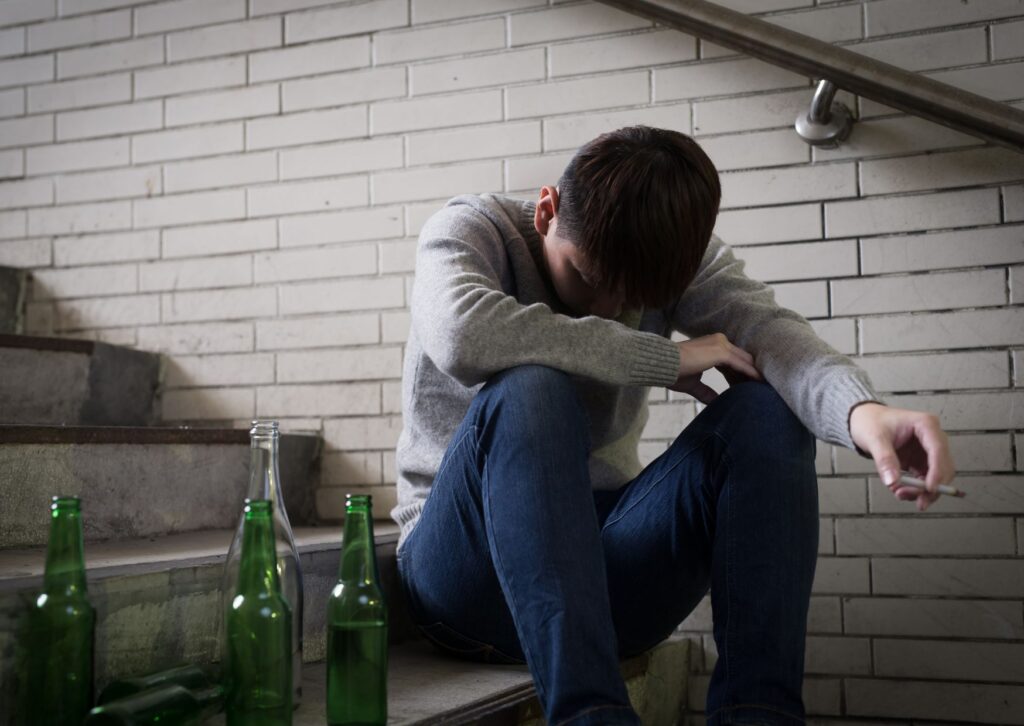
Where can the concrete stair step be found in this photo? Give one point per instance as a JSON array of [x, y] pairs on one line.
[[76, 382], [156, 602], [138, 482], [12, 299]]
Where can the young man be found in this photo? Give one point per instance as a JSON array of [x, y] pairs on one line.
[[530, 532]]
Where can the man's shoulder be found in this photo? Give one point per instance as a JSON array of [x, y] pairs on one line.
[[480, 216]]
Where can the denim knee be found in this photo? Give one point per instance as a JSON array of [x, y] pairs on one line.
[[758, 402], [540, 398]]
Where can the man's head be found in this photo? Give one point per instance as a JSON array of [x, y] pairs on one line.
[[629, 221]]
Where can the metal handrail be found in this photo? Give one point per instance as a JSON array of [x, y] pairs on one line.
[[914, 93]]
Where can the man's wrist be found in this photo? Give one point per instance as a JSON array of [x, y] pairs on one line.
[[849, 425]]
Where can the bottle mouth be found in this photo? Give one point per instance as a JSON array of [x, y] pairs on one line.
[[358, 500], [65, 504], [264, 427]]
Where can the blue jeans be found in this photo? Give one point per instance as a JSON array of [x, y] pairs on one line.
[[516, 559]]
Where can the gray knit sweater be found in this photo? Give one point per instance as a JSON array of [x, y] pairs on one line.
[[481, 304]]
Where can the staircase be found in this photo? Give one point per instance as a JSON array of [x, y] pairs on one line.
[[159, 507]]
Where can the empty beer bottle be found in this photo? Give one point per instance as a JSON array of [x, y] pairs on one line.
[[165, 705], [189, 676], [258, 667], [265, 483], [56, 644], [357, 627]]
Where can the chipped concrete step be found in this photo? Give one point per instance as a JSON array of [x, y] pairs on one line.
[[76, 382], [157, 599], [140, 482], [12, 299]]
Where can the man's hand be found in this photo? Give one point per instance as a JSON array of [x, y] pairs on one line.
[[712, 351], [900, 438]]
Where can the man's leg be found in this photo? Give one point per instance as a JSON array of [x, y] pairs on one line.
[[732, 504], [506, 560]]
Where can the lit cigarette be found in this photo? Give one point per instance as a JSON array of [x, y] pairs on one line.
[[912, 481]]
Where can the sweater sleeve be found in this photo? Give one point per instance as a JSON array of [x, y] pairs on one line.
[[471, 328], [820, 384]]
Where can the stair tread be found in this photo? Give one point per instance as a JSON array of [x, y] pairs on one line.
[[76, 434], [188, 549], [42, 342]]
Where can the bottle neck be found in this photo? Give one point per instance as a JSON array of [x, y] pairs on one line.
[[65, 558], [264, 480], [258, 569], [358, 560]]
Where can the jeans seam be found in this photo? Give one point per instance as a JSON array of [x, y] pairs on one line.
[[660, 479], [499, 569]]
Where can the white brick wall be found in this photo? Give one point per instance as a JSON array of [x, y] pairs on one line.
[[240, 185]]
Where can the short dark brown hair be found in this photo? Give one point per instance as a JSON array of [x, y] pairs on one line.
[[640, 203]]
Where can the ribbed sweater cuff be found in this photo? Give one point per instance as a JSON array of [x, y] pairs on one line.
[[655, 360], [845, 393]]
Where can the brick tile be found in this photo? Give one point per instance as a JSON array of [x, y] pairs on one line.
[[217, 404], [631, 51], [77, 218], [224, 39], [114, 88], [317, 332], [723, 78], [481, 142], [165, 16], [219, 238], [429, 11], [440, 40], [400, 186], [941, 701], [570, 132], [938, 171], [192, 207], [307, 196], [250, 302], [316, 297], [333, 399], [770, 224], [116, 247], [623, 89], [306, 128], [135, 181], [363, 433], [900, 16], [339, 89], [911, 213], [346, 226], [966, 329], [108, 312], [342, 158], [796, 184], [197, 339], [950, 660], [353, 19], [336, 261], [210, 272], [187, 143], [309, 59], [573, 21], [938, 250], [476, 71], [219, 370], [904, 293], [353, 364], [242, 103], [925, 535], [84, 282], [436, 112], [121, 56]]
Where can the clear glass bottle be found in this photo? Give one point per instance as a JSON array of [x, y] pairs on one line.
[[357, 627], [56, 645], [265, 483]]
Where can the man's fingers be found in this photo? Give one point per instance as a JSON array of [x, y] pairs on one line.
[[935, 444]]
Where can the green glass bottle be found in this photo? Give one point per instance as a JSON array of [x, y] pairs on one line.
[[357, 627], [258, 667], [56, 645], [166, 705], [188, 675]]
